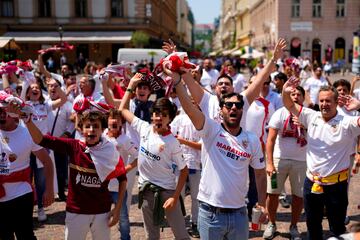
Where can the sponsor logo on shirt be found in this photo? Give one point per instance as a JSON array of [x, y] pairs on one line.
[[232, 152], [88, 181], [149, 154]]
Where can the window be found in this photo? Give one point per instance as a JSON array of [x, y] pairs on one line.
[[44, 8], [81, 8], [295, 8], [316, 8], [117, 8], [7, 8], [340, 8]]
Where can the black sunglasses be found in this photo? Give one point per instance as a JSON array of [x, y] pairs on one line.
[[229, 105]]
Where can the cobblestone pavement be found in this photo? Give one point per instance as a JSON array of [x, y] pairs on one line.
[[53, 228]]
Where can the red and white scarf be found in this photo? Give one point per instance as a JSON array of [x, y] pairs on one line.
[[290, 129], [107, 160]]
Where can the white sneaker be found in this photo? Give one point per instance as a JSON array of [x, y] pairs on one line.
[[270, 231], [294, 233], [41, 215]]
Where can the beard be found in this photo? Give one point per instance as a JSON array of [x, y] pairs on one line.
[[231, 123]]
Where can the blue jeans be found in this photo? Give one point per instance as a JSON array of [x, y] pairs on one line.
[[124, 224], [40, 182], [335, 199], [213, 224]]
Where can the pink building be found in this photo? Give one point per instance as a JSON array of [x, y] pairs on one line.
[[318, 29]]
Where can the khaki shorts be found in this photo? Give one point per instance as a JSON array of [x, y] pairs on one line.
[[295, 170]]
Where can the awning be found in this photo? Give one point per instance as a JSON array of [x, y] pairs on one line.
[[8, 43], [228, 51], [78, 37], [4, 41]]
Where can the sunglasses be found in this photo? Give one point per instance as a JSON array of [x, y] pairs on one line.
[[229, 105]]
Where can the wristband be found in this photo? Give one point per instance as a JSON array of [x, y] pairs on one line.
[[129, 90]]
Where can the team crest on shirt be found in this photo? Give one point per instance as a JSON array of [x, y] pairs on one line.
[[161, 147], [334, 127]]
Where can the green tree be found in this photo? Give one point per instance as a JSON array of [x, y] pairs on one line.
[[140, 39]]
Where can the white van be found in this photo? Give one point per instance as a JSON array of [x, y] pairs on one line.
[[139, 54]]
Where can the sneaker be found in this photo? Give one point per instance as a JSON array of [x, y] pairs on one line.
[[284, 202], [294, 233], [41, 215], [193, 231], [270, 231]]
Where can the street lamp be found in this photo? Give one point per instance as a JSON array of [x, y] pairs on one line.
[[61, 32], [356, 52]]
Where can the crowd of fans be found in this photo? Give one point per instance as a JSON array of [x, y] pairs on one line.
[[227, 140]]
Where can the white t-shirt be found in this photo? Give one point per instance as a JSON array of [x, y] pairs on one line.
[[19, 144], [128, 152], [209, 78], [210, 107], [239, 82], [225, 161], [159, 156], [329, 143], [357, 93], [342, 111], [40, 115], [182, 126], [256, 119], [285, 147], [275, 99], [313, 85], [63, 123]]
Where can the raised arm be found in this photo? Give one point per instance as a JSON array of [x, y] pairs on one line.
[[353, 84], [61, 100], [108, 95], [124, 106], [42, 66], [196, 116], [289, 86], [253, 90]]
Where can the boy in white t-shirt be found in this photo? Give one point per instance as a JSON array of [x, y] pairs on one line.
[[129, 153], [160, 156]]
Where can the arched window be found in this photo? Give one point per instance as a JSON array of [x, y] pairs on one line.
[[316, 50]]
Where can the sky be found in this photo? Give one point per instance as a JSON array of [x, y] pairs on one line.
[[205, 11]]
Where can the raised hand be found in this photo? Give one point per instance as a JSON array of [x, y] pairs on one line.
[[350, 103], [291, 84], [169, 47], [279, 48]]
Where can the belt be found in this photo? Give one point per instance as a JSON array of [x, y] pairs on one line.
[[210, 208], [319, 181]]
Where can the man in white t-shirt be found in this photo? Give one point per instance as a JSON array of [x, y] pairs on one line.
[[312, 87], [16, 196], [209, 75], [286, 153], [330, 138], [226, 154], [209, 103]]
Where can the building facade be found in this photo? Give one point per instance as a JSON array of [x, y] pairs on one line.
[[321, 30], [97, 28]]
